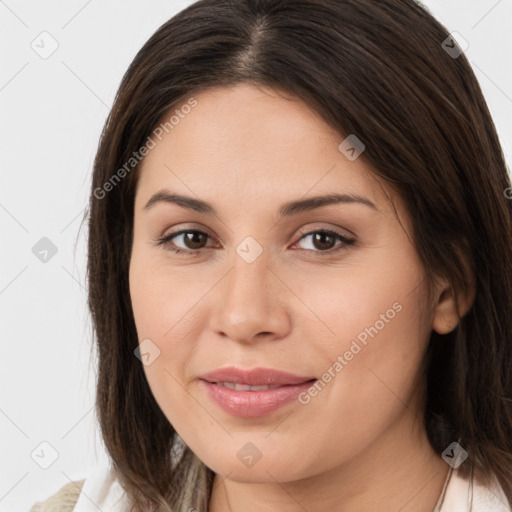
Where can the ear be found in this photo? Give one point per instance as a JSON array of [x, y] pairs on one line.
[[445, 317]]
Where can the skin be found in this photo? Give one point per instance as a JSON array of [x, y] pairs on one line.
[[359, 444]]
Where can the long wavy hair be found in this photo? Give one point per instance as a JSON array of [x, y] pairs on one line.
[[383, 70]]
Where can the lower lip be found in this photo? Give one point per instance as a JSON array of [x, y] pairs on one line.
[[253, 404]]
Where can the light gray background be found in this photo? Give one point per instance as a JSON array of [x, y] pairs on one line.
[[52, 113]]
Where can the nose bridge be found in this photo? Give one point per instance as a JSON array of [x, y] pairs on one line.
[[247, 303], [248, 283]]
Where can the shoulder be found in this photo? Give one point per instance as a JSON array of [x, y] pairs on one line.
[[63, 500], [462, 495], [490, 497], [101, 488]]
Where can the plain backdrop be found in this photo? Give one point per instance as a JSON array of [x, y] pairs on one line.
[[52, 113]]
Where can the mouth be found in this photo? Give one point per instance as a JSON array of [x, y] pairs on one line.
[[253, 379], [246, 387], [250, 401]]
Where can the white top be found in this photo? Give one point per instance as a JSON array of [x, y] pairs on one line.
[[102, 491]]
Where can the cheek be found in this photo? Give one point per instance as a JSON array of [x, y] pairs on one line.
[[168, 325], [370, 334], [376, 384], [162, 296], [378, 304]]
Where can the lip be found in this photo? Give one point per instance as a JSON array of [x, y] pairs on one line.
[[255, 376], [254, 404]]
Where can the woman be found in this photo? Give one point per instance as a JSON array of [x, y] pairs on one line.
[[299, 265]]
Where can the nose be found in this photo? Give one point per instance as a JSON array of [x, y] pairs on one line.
[[250, 303]]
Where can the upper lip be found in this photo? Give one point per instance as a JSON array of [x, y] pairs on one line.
[[254, 376]]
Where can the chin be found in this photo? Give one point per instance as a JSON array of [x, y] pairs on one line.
[[258, 474], [267, 470]]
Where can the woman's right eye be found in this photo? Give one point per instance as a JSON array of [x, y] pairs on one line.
[[190, 236]]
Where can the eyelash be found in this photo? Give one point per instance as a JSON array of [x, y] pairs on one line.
[[189, 252]]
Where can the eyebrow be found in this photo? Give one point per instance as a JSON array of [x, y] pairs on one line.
[[286, 210]]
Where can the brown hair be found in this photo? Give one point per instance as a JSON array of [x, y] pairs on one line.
[[374, 69]]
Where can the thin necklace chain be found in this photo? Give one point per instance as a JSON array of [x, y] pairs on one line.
[[440, 500], [439, 504]]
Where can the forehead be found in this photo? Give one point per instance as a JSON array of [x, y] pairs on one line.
[[251, 141]]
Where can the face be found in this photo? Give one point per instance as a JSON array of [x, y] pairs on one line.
[[335, 293]]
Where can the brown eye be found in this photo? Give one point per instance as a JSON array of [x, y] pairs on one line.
[[193, 240], [323, 241]]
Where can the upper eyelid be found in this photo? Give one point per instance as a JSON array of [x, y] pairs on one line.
[[321, 227]]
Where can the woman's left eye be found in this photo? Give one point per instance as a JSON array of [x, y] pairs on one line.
[[320, 239]]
